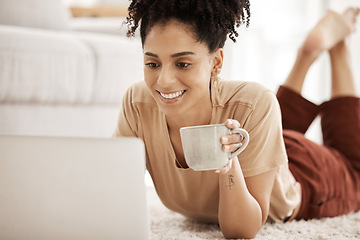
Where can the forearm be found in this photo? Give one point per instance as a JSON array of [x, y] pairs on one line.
[[240, 215]]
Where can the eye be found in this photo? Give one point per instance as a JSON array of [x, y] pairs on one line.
[[183, 65], [152, 65]]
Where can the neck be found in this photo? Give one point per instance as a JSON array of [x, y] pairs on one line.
[[193, 118]]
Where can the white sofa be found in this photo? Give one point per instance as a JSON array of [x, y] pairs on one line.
[[58, 82]]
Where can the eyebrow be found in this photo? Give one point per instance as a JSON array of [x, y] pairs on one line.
[[173, 55], [182, 54]]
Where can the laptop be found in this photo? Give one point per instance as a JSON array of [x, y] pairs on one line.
[[72, 188]]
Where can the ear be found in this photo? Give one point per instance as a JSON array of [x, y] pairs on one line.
[[217, 61]]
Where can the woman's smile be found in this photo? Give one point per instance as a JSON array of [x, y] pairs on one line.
[[171, 97]]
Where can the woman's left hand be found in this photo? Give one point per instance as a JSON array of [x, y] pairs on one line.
[[230, 143]]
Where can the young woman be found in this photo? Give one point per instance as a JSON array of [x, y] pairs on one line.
[[182, 43]]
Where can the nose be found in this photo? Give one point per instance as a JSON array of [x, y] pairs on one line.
[[166, 78]]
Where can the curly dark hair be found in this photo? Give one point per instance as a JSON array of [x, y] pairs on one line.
[[210, 20]]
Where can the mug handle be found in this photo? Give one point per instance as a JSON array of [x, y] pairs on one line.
[[245, 142]]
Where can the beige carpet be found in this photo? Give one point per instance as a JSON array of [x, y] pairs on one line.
[[165, 224]]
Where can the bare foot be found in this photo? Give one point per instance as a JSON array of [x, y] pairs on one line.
[[330, 30], [351, 14]]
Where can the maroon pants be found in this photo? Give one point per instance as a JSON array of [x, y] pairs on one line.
[[329, 174]]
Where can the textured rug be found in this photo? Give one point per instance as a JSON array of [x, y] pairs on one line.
[[165, 224]]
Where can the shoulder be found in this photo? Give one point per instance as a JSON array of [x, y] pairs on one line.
[[138, 93], [244, 93], [137, 105]]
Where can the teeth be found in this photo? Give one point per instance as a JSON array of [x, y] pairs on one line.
[[172, 95]]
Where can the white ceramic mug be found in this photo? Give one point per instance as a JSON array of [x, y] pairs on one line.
[[203, 149]]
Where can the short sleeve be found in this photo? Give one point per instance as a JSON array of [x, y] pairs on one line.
[[266, 149], [127, 120]]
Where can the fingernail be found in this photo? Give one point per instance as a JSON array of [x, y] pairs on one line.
[[227, 147], [225, 139], [217, 171]]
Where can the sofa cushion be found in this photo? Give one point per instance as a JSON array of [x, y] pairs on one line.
[[50, 14], [96, 120], [44, 66], [119, 63], [57, 67]]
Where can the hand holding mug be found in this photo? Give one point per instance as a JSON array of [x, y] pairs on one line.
[[211, 147], [230, 143]]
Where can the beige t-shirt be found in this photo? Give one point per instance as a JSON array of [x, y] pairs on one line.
[[196, 194]]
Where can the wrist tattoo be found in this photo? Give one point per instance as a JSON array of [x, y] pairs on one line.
[[231, 181]]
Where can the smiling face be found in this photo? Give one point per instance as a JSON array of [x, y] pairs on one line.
[[178, 68]]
